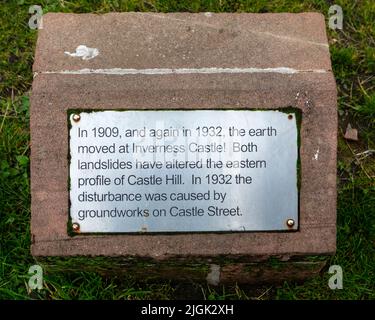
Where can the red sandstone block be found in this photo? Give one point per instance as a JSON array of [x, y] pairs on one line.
[[271, 60]]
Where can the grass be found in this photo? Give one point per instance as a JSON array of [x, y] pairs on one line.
[[353, 57]]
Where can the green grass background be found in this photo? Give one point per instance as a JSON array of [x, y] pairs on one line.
[[353, 56]]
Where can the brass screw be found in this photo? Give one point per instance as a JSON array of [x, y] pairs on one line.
[[290, 223], [76, 117], [290, 117], [75, 227]]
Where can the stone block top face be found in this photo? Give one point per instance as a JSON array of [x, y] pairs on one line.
[[135, 61], [286, 41]]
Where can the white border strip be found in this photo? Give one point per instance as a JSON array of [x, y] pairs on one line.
[[166, 71]]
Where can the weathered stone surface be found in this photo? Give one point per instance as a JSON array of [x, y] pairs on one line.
[[194, 41], [184, 40], [216, 271]]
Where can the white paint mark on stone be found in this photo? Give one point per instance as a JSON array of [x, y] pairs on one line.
[[213, 277], [84, 52], [166, 71], [316, 155], [208, 14]]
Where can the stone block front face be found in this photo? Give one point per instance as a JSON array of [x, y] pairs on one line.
[[183, 61]]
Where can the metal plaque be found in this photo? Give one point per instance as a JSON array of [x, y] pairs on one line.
[[183, 171]]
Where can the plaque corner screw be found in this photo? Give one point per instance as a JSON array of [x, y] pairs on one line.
[[290, 116], [76, 117], [290, 223], [75, 227]]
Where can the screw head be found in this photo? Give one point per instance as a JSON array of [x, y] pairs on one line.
[[290, 223], [75, 227], [76, 117], [290, 116]]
